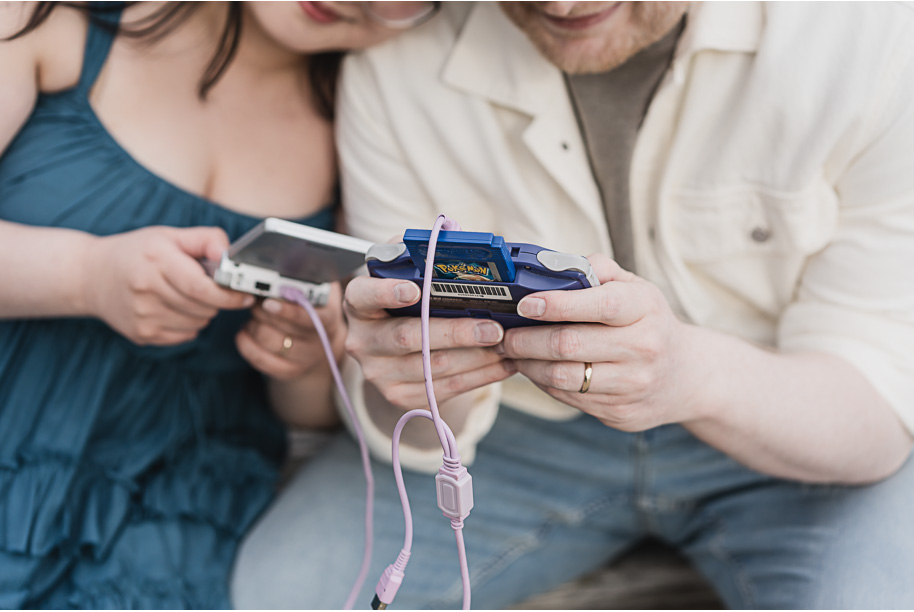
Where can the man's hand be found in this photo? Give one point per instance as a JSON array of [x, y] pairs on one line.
[[390, 348], [626, 329]]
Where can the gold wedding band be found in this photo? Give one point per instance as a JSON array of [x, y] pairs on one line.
[[286, 345], [588, 373]]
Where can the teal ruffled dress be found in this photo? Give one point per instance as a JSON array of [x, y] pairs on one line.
[[127, 474]]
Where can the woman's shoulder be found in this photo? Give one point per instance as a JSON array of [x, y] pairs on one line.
[[54, 50]]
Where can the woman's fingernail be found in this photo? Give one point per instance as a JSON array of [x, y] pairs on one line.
[[248, 301], [509, 366], [406, 293], [532, 307], [488, 333], [272, 306]]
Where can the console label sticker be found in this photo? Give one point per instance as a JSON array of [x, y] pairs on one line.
[[471, 290]]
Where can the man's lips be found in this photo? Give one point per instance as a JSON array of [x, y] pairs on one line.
[[584, 21], [319, 12]]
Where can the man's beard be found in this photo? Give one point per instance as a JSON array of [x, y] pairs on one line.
[[647, 22]]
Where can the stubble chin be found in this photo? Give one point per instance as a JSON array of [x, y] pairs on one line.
[[644, 24], [587, 56]]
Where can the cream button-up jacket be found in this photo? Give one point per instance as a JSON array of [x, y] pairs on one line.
[[772, 181]]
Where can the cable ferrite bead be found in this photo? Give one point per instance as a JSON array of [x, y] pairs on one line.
[[454, 486]]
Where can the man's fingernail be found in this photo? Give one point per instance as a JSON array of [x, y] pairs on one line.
[[272, 306], [532, 307], [248, 301], [509, 366], [488, 332], [406, 293], [500, 348]]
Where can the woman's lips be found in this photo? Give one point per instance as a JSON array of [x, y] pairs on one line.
[[319, 12], [582, 22]]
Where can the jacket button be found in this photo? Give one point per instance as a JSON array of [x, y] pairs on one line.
[[761, 234]]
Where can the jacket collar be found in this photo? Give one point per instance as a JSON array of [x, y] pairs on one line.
[[495, 60]]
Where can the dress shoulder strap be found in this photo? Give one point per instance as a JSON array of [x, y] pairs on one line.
[[105, 17]]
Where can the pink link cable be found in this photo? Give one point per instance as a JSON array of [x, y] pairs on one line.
[[452, 465], [442, 222], [452, 468], [393, 576], [295, 295]]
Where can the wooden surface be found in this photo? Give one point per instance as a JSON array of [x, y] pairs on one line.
[[651, 577]]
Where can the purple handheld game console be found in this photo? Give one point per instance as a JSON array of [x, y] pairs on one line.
[[478, 275]]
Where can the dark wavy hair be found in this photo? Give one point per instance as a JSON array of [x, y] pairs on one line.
[[323, 68]]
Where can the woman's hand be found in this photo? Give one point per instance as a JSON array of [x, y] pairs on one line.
[[626, 329], [280, 339], [389, 349], [149, 286], [281, 342]]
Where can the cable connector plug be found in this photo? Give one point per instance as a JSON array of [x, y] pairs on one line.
[[455, 490], [390, 582], [450, 224]]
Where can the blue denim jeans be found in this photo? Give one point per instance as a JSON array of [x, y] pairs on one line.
[[555, 500]]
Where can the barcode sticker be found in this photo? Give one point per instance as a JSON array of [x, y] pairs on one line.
[[476, 291]]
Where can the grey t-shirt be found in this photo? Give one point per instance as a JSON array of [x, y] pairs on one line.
[[610, 107]]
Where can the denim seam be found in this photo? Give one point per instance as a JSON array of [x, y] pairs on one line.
[[522, 545], [716, 548], [640, 482], [590, 509]]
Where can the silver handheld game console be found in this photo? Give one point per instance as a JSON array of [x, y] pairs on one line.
[[278, 253]]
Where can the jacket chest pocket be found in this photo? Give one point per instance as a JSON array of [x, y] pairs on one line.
[[709, 226], [752, 242]]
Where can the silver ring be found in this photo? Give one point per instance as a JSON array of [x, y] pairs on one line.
[[588, 373], [286, 345]]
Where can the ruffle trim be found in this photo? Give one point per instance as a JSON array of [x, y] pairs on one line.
[[47, 508], [228, 489], [50, 507]]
